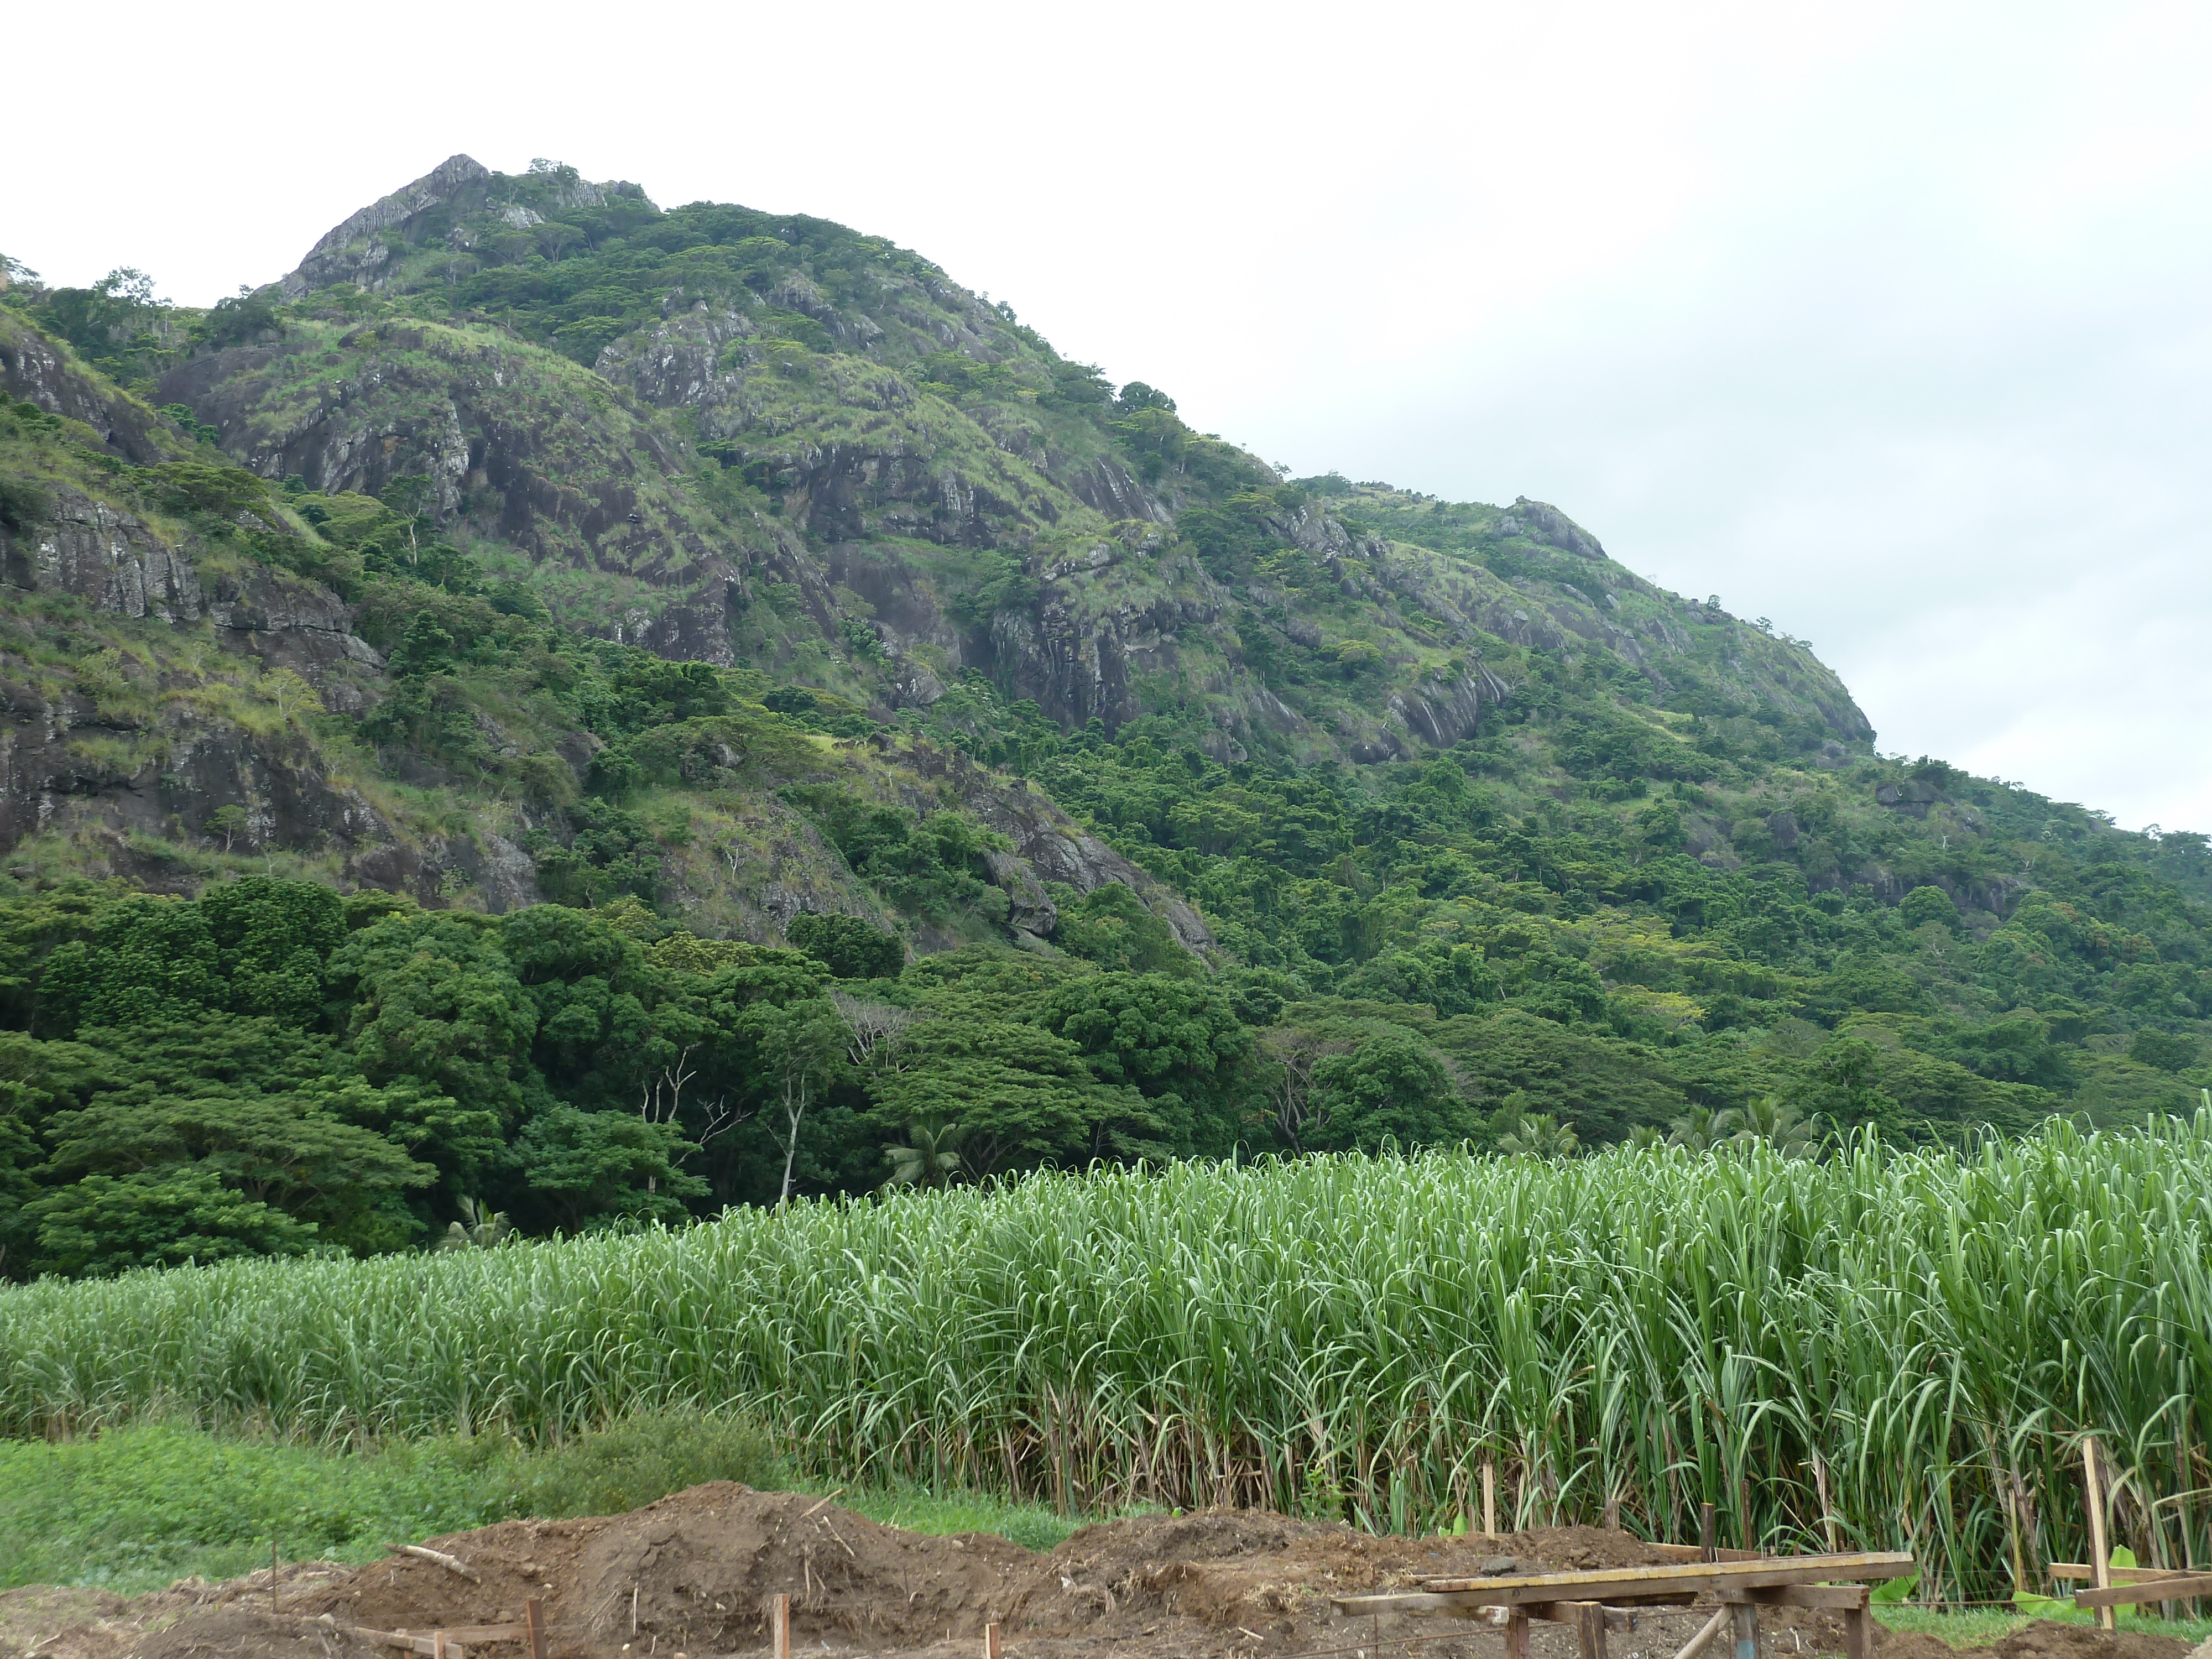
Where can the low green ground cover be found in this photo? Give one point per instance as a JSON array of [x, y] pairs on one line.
[[138, 1507], [1976, 1628]]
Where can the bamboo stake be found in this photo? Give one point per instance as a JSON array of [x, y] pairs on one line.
[[2100, 1557], [1828, 1512], [450, 1563], [1704, 1639]]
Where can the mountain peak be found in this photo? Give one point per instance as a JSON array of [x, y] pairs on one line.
[[369, 248], [349, 251]]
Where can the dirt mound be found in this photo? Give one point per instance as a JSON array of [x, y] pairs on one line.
[[695, 1571], [2045, 1640], [1244, 1571], [53, 1623], [701, 1568]]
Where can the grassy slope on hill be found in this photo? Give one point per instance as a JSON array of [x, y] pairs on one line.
[[1486, 827]]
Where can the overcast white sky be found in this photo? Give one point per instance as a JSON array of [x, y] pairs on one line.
[[1886, 321]]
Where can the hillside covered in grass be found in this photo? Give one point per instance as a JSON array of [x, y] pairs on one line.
[[570, 710]]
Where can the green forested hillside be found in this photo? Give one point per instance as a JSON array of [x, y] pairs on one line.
[[564, 709]]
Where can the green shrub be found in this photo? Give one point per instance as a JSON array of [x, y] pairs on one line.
[[636, 1460]]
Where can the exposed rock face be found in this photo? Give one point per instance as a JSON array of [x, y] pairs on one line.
[[567, 484], [1107, 486], [352, 253], [106, 557], [1540, 521], [1446, 711], [33, 371], [50, 778]]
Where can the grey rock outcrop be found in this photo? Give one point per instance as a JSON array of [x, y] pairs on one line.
[[32, 370], [104, 555], [352, 250]]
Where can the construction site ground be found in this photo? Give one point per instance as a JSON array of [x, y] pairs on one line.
[[695, 1574]]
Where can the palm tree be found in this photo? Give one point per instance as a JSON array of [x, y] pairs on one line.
[[1542, 1136], [930, 1157], [1778, 1123], [1697, 1129], [485, 1228]]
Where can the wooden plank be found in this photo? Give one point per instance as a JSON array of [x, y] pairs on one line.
[[2081, 1569], [466, 1635], [991, 1640], [533, 1621], [1464, 1607], [779, 1619], [2180, 1587], [1800, 1595], [1574, 1612], [2100, 1557], [1611, 1584], [1691, 1552], [1461, 1606]]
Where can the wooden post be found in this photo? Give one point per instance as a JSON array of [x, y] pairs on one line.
[[1708, 1549], [437, 1645], [779, 1623], [1490, 1500], [1612, 1513], [533, 1621], [1746, 1618], [1589, 1629], [1516, 1635], [2100, 1554], [991, 1640], [1855, 1645]]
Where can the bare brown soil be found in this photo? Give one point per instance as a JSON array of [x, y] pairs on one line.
[[695, 1574]]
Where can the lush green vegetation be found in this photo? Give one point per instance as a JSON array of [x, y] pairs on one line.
[[1921, 1336], [1785, 1102], [1642, 879], [136, 1508], [1589, 924]]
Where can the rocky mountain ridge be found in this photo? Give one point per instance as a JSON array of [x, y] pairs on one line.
[[817, 457], [530, 702]]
